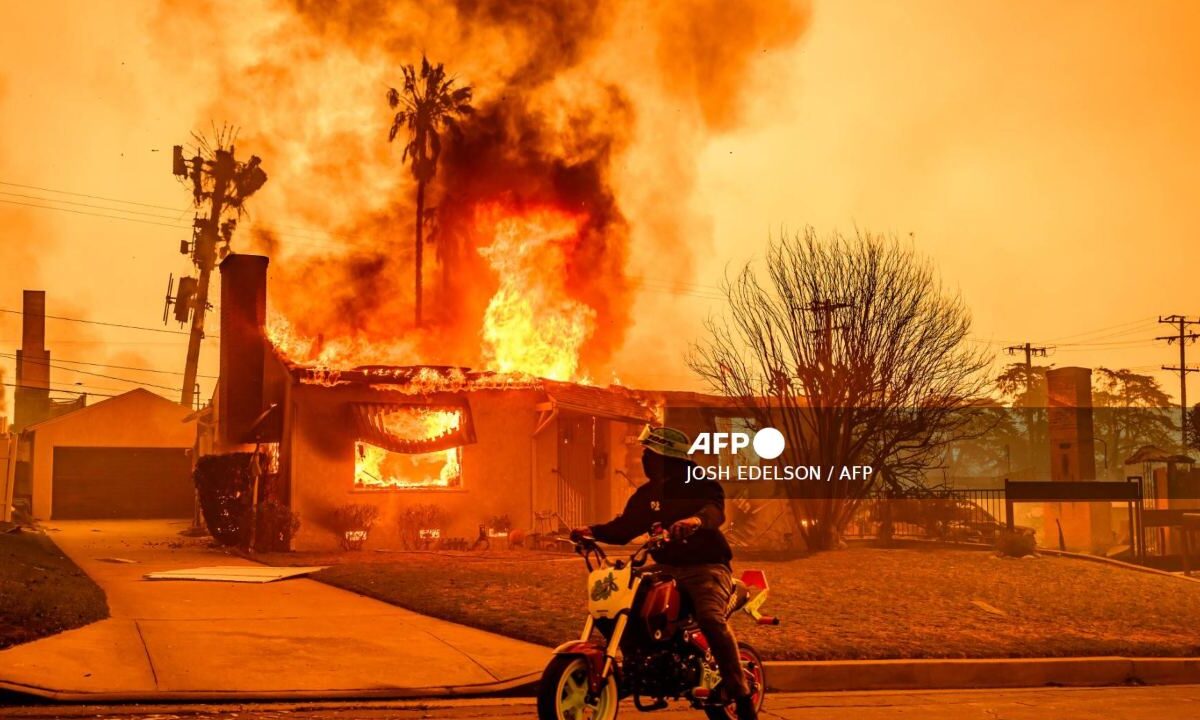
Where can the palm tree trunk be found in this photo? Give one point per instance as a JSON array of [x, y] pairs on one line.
[[420, 248]]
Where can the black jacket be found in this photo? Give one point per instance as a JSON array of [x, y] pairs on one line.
[[666, 502]]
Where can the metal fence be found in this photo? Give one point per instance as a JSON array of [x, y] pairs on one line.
[[960, 514]]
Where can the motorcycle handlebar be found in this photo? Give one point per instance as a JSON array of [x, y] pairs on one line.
[[587, 545]]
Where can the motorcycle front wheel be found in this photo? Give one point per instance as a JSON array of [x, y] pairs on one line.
[[753, 667], [563, 689]]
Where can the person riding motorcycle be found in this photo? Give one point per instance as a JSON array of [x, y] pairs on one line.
[[698, 556]]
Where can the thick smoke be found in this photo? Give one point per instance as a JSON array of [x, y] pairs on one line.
[[594, 107]]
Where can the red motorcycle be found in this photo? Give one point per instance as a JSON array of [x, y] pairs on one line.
[[648, 646]]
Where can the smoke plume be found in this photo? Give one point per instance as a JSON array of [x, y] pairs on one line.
[[591, 108]]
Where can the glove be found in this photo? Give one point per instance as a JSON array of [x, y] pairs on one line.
[[685, 527], [580, 533]]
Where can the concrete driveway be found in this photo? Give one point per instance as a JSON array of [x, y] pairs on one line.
[[294, 638]]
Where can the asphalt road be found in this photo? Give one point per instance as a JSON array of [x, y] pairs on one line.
[[1123, 703]]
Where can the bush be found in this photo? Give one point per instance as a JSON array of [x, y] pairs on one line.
[[277, 525], [416, 518], [1015, 543], [500, 524], [224, 484], [353, 522]]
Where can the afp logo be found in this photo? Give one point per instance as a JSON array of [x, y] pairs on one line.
[[768, 443]]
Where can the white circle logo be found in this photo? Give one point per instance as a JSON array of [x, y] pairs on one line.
[[768, 443]]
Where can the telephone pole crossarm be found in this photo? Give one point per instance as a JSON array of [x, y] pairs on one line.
[[1183, 337]]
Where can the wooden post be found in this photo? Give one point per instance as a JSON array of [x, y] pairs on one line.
[[1189, 526], [1008, 505]]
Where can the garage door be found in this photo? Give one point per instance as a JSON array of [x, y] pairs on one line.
[[91, 483]]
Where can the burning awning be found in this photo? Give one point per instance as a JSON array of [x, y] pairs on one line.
[[611, 403], [413, 429]]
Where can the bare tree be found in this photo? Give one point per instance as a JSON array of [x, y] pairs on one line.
[[852, 348]]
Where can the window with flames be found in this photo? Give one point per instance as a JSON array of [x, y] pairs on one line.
[[376, 467]]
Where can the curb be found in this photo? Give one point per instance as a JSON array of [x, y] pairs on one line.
[[860, 675], [1117, 563], [782, 676], [519, 686]]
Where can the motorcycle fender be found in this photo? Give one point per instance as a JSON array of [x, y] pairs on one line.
[[593, 653]]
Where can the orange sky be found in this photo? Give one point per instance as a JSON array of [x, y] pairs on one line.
[[1045, 155]]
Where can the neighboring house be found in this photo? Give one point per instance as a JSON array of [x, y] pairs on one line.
[[477, 445], [126, 457]]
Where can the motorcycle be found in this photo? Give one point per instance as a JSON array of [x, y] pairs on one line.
[[647, 643]]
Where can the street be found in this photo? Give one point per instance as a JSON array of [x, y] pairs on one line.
[[1118, 703]]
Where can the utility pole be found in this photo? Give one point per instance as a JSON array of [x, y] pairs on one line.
[[1030, 350], [1182, 337], [224, 183]]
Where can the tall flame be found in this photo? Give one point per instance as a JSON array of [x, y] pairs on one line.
[[532, 324]]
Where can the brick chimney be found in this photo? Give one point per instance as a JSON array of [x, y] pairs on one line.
[[32, 395], [243, 345]]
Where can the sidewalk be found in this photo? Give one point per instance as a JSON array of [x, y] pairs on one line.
[[179, 640]]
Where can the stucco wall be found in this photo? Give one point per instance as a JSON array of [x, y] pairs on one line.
[[136, 419], [496, 470]]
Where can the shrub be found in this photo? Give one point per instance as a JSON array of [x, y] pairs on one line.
[[416, 518], [1015, 543], [277, 525], [353, 522], [224, 484], [500, 524]]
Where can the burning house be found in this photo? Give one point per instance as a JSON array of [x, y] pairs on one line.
[[477, 445], [529, 237]]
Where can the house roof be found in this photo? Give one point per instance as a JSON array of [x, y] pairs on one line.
[[135, 395], [1153, 453], [613, 402]]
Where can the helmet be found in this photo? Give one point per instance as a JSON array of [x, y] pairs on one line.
[[666, 441]]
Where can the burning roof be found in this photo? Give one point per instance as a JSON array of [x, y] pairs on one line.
[[613, 402]]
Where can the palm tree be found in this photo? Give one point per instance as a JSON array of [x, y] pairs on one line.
[[429, 104]]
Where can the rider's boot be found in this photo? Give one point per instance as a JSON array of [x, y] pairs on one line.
[[723, 694], [744, 707]]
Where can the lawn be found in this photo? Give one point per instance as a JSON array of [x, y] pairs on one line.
[[41, 591], [863, 602]]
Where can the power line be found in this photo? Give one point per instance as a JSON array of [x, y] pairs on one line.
[[1143, 342], [85, 195], [88, 372], [303, 238], [106, 324], [92, 214], [1146, 321], [50, 389], [127, 367], [96, 207]]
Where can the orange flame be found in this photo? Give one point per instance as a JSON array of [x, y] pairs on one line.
[[532, 324], [375, 467], [345, 351]]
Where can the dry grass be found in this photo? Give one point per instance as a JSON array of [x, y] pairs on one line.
[[41, 591], [857, 603]]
